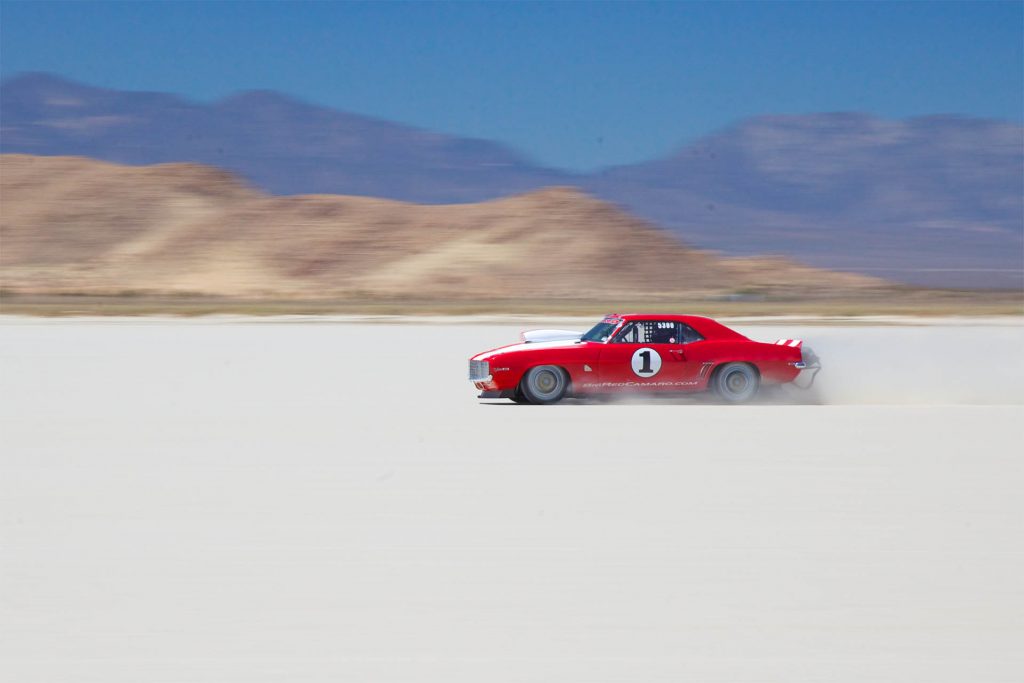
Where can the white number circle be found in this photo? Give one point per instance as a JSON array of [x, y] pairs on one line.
[[646, 362]]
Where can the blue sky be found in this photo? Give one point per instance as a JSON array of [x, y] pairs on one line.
[[574, 85]]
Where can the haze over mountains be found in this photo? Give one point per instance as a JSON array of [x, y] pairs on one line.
[[935, 200]]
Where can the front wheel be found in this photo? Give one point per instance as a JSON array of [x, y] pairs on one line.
[[544, 384], [736, 382]]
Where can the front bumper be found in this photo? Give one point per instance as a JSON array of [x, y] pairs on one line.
[[488, 379], [500, 393]]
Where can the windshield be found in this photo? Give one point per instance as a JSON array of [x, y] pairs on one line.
[[600, 332]]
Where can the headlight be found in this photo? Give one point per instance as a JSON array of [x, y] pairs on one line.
[[479, 371]]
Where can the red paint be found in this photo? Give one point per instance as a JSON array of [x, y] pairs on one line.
[[685, 366]]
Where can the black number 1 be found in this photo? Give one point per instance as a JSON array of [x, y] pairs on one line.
[[646, 355]]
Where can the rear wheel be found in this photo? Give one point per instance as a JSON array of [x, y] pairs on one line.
[[544, 384], [736, 382]]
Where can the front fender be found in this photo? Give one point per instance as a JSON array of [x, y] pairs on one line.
[[508, 367]]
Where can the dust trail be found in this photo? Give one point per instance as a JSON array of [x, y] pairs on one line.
[[927, 365], [968, 364]]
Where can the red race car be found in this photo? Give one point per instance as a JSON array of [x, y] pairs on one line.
[[641, 354]]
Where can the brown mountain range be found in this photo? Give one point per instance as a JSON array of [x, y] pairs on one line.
[[75, 225]]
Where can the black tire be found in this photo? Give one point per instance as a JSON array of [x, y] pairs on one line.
[[544, 384], [519, 398], [736, 382]]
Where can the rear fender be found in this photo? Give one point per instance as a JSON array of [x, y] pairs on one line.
[[774, 363]]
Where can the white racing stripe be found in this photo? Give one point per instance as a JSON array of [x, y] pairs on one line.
[[525, 346]]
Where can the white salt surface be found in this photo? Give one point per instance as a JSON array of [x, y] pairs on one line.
[[223, 501]]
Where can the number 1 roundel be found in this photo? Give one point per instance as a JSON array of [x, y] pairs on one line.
[[646, 362]]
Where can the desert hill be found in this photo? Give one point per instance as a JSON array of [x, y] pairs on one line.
[[933, 200], [75, 225]]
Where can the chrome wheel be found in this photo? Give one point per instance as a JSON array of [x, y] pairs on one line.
[[736, 382], [545, 384]]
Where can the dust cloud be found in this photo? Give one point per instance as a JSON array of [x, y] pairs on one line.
[[957, 362]]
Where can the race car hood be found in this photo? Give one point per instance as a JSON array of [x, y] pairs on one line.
[[525, 346]]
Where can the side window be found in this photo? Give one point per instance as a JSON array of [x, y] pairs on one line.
[[629, 334], [650, 332], [662, 332]]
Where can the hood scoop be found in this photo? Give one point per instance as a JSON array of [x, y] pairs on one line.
[[531, 336]]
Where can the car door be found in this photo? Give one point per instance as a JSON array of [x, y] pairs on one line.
[[646, 355]]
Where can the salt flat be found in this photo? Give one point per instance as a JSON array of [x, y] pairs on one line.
[[267, 501]]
